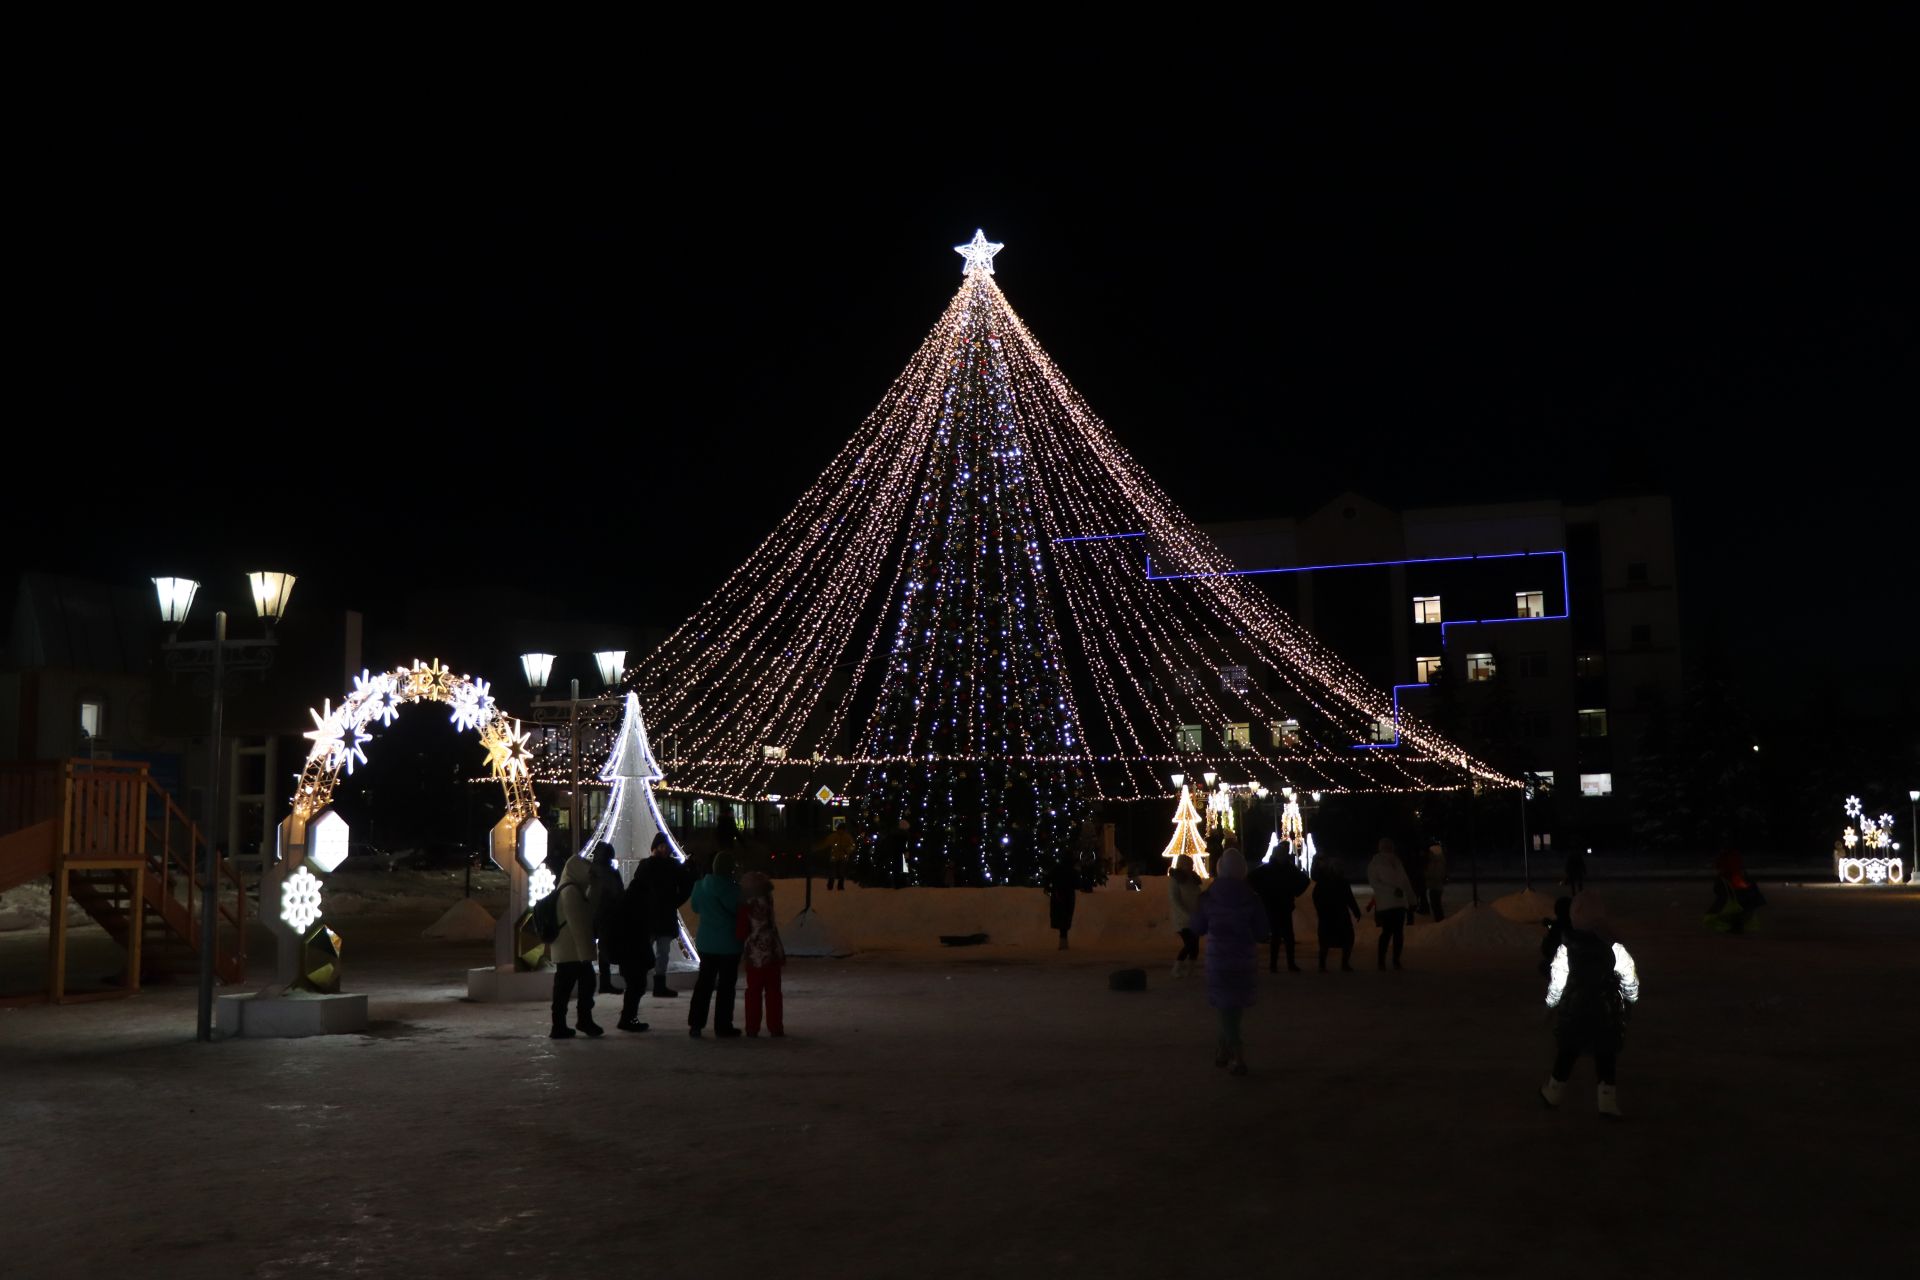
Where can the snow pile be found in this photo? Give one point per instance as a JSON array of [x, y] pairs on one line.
[[1477, 929], [464, 921], [1528, 907]]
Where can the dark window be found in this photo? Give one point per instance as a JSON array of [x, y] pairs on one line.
[[1539, 724], [1533, 665], [1593, 722], [1637, 573], [1591, 665], [1642, 635]]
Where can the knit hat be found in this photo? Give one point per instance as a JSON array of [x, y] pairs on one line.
[[1589, 914], [1233, 865]]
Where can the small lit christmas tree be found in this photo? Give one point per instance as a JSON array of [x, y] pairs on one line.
[[1187, 842], [632, 817]]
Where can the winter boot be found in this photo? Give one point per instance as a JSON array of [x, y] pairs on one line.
[[631, 1024], [588, 1026], [561, 1031], [663, 991], [1610, 1102], [1552, 1091]]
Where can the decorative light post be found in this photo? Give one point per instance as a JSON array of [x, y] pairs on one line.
[[539, 670], [215, 658]]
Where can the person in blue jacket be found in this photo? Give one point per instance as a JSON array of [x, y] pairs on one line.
[[716, 900]]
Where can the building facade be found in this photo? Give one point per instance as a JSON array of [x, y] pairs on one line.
[[1542, 635]]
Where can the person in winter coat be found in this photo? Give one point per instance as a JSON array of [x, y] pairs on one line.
[[1434, 876], [1062, 883], [716, 900], [572, 951], [1278, 881], [1183, 896], [1736, 899], [664, 883], [1591, 989], [1231, 915], [608, 890], [1392, 900], [635, 948], [1335, 911], [760, 947], [839, 844]]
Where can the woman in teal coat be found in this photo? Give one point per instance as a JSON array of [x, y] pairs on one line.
[[716, 900]]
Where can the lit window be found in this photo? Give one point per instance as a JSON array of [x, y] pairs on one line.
[[769, 752], [1591, 665], [1188, 737], [1479, 666], [704, 813], [1637, 572], [90, 713], [1539, 784], [1642, 635], [1593, 722], [1596, 784], [1425, 669], [1529, 604], [1234, 680], [1239, 737], [1383, 730], [1426, 609], [1286, 733], [739, 815]]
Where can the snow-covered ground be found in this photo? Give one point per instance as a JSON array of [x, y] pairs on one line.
[[997, 1111]]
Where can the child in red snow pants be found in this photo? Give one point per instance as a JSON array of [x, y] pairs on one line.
[[763, 983]]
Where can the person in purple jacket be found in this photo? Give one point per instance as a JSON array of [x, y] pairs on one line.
[[1232, 915]]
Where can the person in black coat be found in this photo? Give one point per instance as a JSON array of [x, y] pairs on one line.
[[664, 883], [1279, 881], [608, 889], [1335, 909], [632, 930], [1061, 884]]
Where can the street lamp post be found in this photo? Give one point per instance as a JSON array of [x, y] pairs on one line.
[[538, 668], [1913, 815], [215, 658]]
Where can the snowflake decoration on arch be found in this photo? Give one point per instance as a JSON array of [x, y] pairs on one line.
[[472, 705], [300, 900], [378, 697], [539, 884], [1854, 807], [337, 737], [507, 751]]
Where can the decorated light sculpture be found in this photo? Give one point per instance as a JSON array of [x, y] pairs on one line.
[[1220, 814], [1187, 841], [985, 614], [632, 817], [1878, 861]]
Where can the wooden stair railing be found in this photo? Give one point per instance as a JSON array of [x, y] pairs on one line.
[[108, 835]]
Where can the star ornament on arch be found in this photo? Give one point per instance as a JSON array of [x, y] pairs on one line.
[[979, 253], [508, 754]]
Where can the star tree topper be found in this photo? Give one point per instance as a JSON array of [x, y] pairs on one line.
[[979, 253]]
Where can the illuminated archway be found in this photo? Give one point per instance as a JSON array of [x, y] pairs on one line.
[[315, 836]]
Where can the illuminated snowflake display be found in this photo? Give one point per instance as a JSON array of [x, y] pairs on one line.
[[1881, 862], [539, 884], [300, 900], [472, 704]]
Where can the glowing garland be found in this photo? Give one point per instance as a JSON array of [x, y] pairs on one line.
[[782, 682], [339, 734]]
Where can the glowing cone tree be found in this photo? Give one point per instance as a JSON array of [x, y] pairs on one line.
[[985, 614], [1187, 841]]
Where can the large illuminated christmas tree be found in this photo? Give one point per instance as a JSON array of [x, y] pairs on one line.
[[985, 614]]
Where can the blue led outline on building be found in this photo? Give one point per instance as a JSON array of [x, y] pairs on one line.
[[1566, 596]]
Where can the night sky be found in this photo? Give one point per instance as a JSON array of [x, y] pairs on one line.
[[594, 332]]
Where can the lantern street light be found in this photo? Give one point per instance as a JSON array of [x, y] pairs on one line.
[[214, 659], [1913, 816], [1179, 781], [1211, 777], [539, 670]]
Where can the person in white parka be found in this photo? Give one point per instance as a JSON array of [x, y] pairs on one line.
[[1392, 900]]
